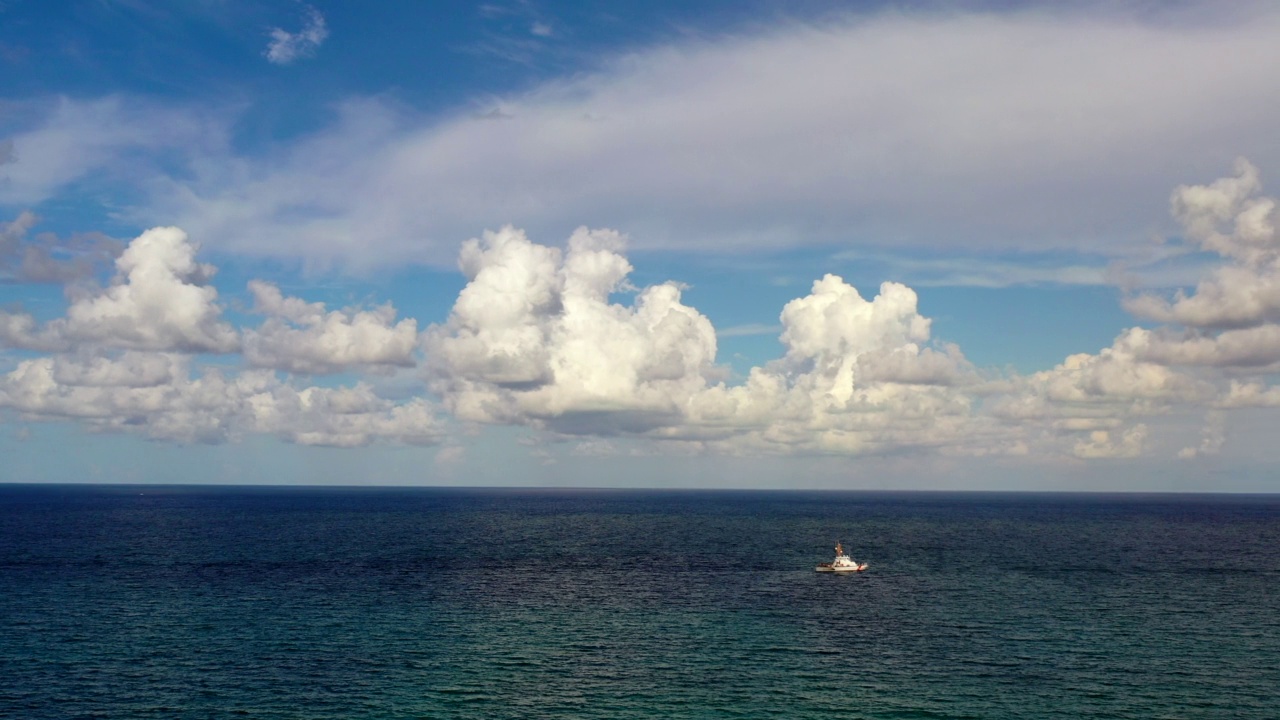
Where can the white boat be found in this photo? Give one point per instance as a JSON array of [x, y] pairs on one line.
[[842, 564]]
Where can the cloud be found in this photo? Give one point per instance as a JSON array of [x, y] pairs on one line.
[[1233, 297], [157, 396], [1117, 373], [11, 236], [831, 328], [343, 417], [749, 330], [857, 378], [47, 258], [990, 273], [125, 370], [558, 340], [159, 300], [301, 337], [1202, 209], [1079, 407], [1232, 319], [1244, 394], [125, 394], [1256, 347], [1106, 444], [1228, 323], [184, 410], [1228, 218], [286, 47], [594, 448], [123, 360], [1213, 436], [708, 144], [450, 455], [534, 339], [119, 145]]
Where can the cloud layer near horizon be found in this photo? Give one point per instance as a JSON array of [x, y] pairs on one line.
[[541, 338]]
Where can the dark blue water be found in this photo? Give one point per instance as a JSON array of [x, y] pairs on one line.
[[144, 602]]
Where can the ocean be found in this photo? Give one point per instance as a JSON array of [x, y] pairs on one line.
[[270, 602]]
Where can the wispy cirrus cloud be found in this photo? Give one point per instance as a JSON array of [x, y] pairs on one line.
[[966, 132], [286, 47], [976, 133], [125, 142], [749, 330]]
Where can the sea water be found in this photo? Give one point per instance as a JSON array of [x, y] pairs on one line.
[[169, 602]]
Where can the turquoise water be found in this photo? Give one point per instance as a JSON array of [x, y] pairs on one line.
[[131, 602]]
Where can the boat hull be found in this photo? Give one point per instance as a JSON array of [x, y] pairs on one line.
[[848, 569]]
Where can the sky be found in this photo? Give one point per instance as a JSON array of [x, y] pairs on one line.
[[756, 244]]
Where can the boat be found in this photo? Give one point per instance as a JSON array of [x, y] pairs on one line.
[[842, 564]]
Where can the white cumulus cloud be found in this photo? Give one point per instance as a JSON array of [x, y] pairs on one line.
[[158, 300], [1227, 325], [123, 359], [857, 377], [302, 337], [1232, 319], [534, 338], [160, 397], [1230, 218]]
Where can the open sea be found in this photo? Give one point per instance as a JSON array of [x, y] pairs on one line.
[[201, 602]]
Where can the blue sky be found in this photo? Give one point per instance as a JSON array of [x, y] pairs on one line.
[[726, 244]]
